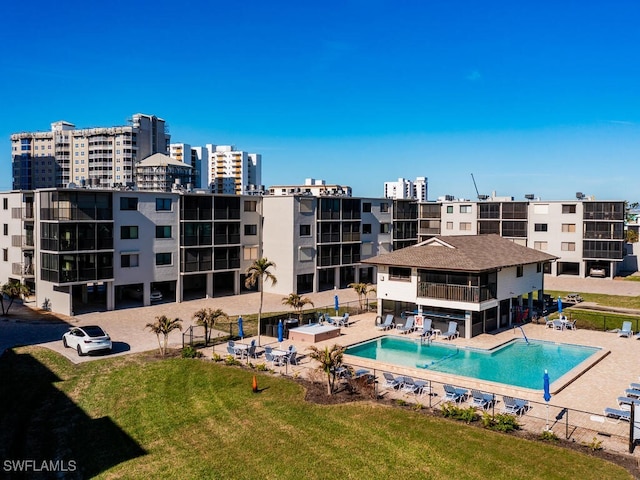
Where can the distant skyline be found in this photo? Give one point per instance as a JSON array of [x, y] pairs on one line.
[[540, 98]]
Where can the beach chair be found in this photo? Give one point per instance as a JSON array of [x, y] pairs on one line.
[[617, 414], [570, 325], [625, 403], [626, 331], [515, 406], [390, 381], [426, 328], [481, 399], [452, 332], [415, 387], [251, 351], [548, 323], [387, 324], [632, 392], [454, 394], [292, 358], [407, 327]]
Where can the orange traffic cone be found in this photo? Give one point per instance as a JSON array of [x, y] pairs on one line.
[[254, 384]]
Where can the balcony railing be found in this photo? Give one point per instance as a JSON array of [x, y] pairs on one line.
[[22, 269], [22, 241], [456, 293]]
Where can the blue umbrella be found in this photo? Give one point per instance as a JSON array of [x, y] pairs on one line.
[[559, 305], [336, 303], [240, 329], [280, 331], [547, 394]]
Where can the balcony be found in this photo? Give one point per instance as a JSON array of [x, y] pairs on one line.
[[455, 293], [24, 241], [23, 269]]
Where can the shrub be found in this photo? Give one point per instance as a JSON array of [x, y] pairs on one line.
[[261, 367], [594, 444], [400, 402], [216, 357], [231, 360], [468, 415], [549, 436], [502, 422], [190, 352]]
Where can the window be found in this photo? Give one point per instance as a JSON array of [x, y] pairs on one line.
[[5, 204], [540, 227], [366, 228], [163, 204], [163, 258], [568, 227], [385, 227], [399, 273], [465, 208], [384, 207], [519, 271], [128, 203], [129, 260], [305, 254], [449, 225], [305, 230], [540, 245], [5, 254], [5, 229], [449, 208], [366, 207], [465, 225], [568, 246], [568, 208], [250, 205], [250, 229], [163, 231], [129, 232], [250, 253]]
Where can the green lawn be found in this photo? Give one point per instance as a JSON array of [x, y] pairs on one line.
[[138, 417]]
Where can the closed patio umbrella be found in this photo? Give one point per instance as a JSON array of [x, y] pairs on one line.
[[559, 305], [240, 329], [336, 304], [547, 393], [280, 331]]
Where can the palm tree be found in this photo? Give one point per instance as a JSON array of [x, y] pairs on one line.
[[363, 290], [257, 273], [330, 360], [164, 326], [207, 317], [297, 302], [12, 290]]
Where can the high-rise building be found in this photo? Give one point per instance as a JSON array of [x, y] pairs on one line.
[[233, 171], [102, 156], [405, 189]]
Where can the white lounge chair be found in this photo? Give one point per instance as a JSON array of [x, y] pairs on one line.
[[390, 381], [387, 324], [454, 394], [617, 414], [515, 406], [407, 327], [416, 387], [626, 331], [481, 399], [426, 327], [452, 332]]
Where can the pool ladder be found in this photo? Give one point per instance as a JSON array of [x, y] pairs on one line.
[[523, 334]]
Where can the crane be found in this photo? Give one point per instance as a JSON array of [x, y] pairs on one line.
[[480, 197]]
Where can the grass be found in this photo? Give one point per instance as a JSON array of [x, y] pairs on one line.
[[139, 417]]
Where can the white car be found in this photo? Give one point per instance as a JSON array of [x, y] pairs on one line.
[[156, 296], [90, 338]]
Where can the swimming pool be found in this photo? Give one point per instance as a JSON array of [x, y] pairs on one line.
[[515, 363]]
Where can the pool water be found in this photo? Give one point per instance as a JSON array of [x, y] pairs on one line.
[[515, 363]]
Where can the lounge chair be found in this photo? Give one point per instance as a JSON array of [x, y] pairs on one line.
[[452, 332], [251, 352], [426, 328], [558, 324], [454, 394], [515, 406], [416, 387], [626, 331], [269, 357], [635, 386], [407, 327], [231, 350], [481, 399], [570, 325], [390, 381], [344, 321], [617, 414], [628, 402], [632, 392], [387, 324]]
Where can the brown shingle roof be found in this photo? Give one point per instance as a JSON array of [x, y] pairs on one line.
[[467, 253]]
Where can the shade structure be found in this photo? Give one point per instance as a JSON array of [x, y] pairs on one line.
[[240, 328], [559, 305], [336, 303], [280, 331]]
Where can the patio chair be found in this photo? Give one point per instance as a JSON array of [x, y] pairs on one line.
[[515, 406], [251, 351], [231, 350], [548, 323], [570, 325], [344, 321], [415, 387], [617, 414], [454, 394], [292, 359], [407, 327], [452, 332], [635, 386], [481, 399], [390, 381], [626, 402], [426, 328], [626, 331], [558, 324], [271, 358], [387, 324], [632, 392]]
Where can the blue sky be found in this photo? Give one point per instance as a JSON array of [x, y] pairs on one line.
[[531, 97]]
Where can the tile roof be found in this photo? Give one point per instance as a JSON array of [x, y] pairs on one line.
[[467, 253]]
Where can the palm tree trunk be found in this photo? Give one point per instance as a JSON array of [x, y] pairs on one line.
[[159, 344], [166, 341], [260, 311]]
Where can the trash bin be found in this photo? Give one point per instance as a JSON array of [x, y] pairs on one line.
[[269, 330], [289, 324]]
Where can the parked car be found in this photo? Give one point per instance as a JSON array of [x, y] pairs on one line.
[[90, 338], [597, 272], [156, 295]]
